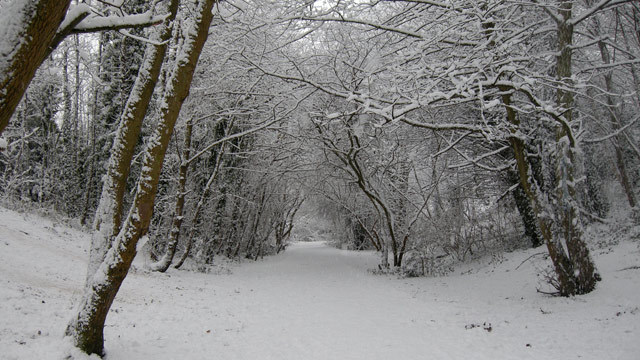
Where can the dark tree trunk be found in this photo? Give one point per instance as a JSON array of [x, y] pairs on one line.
[[41, 19], [525, 210], [199, 206]]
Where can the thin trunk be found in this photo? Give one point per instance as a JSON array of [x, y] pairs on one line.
[[76, 101], [528, 216], [256, 223], [94, 122], [401, 225], [628, 43], [614, 116], [286, 226], [239, 221], [66, 97], [163, 264], [200, 205], [239, 235], [384, 256], [87, 193]]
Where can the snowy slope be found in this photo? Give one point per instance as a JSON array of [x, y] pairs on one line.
[[313, 302]]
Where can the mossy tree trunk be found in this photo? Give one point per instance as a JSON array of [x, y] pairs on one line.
[[572, 261]]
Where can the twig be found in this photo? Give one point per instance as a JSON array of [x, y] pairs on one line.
[[552, 293], [527, 259], [636, 267]]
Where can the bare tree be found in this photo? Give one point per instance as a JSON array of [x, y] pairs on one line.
[[526, 53]]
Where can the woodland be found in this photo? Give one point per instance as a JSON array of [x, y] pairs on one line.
[[430, 132]]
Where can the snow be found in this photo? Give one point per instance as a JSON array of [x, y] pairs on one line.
[[74, 12], [3, 144], [142, 242], [492, 103], [313, 302]]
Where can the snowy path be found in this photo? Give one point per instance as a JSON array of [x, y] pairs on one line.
[[320, 303], [312, 302]]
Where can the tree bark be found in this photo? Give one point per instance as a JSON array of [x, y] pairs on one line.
[[525, 210]]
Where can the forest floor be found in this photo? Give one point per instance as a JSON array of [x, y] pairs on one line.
[[315, 302]]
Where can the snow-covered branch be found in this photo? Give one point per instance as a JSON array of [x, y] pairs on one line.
[[613, 134], [361, 22], [603, 4], [476, 161], [101, 23], [262, 126]]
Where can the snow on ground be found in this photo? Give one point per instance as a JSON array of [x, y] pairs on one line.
[[313, 302]]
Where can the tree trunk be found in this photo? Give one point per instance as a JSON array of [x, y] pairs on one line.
[[108, 217], [163, 264], [525, 210], [559, 224], [256, 222], [384, 256], [401, 225], [86, 328], [198, 210], [574, 267], [30, 32], [615, 121]]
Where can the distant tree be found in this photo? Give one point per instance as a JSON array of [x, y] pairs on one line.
[[481, 54]]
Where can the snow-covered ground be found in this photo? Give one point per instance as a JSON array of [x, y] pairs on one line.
[[314, 302]]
